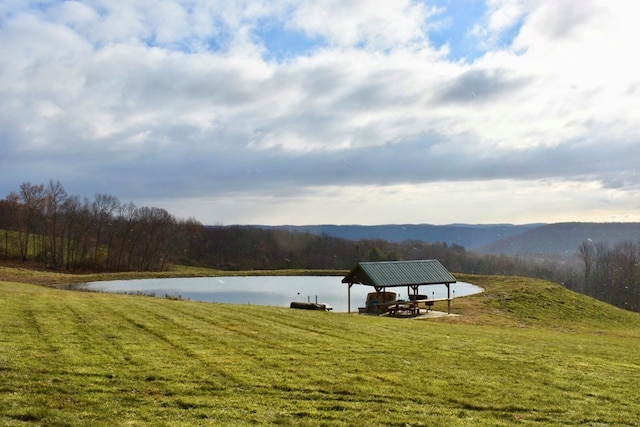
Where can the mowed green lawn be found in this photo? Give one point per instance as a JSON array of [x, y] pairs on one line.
[[524, 352]]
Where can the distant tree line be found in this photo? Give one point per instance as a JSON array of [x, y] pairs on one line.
[[247, 247], [611, 274], [43, 224]]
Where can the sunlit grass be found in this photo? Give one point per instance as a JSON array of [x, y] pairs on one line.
[[515, 355]]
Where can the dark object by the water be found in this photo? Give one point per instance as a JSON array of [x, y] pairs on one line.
[[310, 306]]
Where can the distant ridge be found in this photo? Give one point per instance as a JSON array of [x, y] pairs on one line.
[[471, 236], [559, 240], [563, 239]]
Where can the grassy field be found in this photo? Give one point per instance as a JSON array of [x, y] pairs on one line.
[[524, 352]]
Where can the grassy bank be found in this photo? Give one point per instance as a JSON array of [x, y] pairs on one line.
[[523, 352], [28, 274]]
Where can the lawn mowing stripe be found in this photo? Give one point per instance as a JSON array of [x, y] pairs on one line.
[[473, 375]]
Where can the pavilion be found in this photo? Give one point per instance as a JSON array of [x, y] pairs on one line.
[[393, 274]]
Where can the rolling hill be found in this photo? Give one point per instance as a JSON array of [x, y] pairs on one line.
[[558, 240], [467, 235], [562, 239]]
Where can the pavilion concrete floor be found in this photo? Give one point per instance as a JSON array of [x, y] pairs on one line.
[[432, 314]]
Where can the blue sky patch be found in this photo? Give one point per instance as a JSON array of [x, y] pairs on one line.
[[456, 22], [282, 43]]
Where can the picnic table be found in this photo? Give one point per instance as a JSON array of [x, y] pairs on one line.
[[404, 308], [411, 307]]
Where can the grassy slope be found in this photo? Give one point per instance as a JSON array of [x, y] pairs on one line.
[[524, 351]]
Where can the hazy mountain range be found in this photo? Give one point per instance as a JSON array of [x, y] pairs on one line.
[[560, 239]]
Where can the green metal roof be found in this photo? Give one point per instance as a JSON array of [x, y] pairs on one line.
[[399, 273]]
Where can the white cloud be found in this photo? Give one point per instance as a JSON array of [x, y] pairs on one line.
[[375, 24], [183, 99], [505, 14]]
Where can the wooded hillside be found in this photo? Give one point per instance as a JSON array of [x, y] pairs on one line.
[[562, 239]]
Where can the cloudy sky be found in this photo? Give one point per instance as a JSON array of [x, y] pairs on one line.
[[325, 111]]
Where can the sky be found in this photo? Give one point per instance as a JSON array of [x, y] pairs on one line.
[[328, 112]]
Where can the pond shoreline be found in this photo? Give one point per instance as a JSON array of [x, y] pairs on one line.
[[263, 290], [36, 274]]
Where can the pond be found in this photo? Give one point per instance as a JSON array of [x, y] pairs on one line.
[[266, 290]]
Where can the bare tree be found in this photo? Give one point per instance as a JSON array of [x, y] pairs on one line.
[[77, 232], [125, 236], [157, 230], [55, 196], [625, 275], [10, 210], [586, 252], [102, 210], [602, 274], [71, 212], [32, 198]]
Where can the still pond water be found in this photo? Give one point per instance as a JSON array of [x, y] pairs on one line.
[[267, 290]]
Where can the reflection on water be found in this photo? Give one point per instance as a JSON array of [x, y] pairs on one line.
[[268, 290]]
